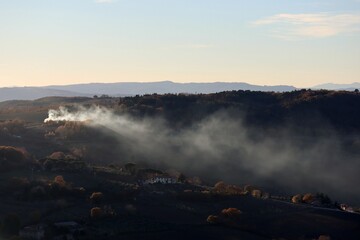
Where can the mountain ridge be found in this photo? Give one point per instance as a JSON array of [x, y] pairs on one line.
[[140, 88], [129, 89], [338, 86]]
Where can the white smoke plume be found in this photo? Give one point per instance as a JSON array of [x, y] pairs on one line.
[[221, 147]]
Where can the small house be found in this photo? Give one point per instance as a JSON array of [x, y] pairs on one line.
[[161, 180]]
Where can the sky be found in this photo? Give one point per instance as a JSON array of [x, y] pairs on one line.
[[264, 42]]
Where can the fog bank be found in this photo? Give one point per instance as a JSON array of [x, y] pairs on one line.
[[222, 147]]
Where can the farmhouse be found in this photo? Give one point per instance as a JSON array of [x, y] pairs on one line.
[[346, 208], [162, 180]]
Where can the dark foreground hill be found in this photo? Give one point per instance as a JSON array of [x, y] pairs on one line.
[[285, 144]]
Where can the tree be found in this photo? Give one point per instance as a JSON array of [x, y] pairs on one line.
[[356, 90], [96, 212], [96, 197], [59, 180], [11, 157], [297, 198], [212, 219], [256, 193], [230, 212], [57, 156], [220, 186], [308, 198]]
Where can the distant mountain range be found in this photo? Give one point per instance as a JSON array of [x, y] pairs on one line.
[[31, 93], [131, 88], [334, 86]]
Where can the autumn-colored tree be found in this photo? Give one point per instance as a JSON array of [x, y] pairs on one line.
[[297, 198], [12, 127], [96, 197], [11, 157], [96, 212], [230, 212], [212, 219], [324, 237], [220, 186], [234, 190], [57, 156], [308, 198], [256, 193], [59, 180]]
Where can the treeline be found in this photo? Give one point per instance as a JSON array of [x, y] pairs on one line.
[[338, 109]]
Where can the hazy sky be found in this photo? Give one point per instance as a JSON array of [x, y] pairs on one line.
[[267, 42]]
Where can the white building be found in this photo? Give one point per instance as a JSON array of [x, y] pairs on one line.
[[162, 180]]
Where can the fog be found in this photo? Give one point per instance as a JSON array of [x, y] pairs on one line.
[[222, 147]]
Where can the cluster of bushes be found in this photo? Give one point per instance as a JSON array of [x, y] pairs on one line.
[[309, 198], [12, 127], [75, 130], [98, 211], [24, 190], [13, 158], [226, 216], [58, 161], [226, 189], [223, 188]]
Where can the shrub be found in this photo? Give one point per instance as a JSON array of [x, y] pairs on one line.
[[96, 197], [59, 180], [234, 190], [297, 198], [324, 237], [308, 198], [256, 193], [57, 156], [212, 219], [96, 213], [220, 186], [12, 127], [11, 157], [230, 213]]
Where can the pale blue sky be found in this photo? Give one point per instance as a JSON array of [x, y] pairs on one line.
[[301, 43]]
